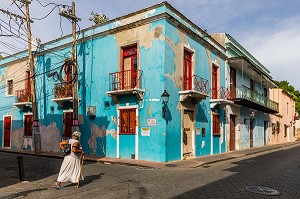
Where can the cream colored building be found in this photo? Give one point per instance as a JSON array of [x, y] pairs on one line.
[[283, 127]]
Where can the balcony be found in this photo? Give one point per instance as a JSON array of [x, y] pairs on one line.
[[62, 92], [221, 97], [194, 89], [246, 97], [23, 98], [124, 83]]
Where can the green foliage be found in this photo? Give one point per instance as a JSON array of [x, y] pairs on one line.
[[285, 85], [1, 56]]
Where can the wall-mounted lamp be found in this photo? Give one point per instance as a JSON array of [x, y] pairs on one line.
[[165, 98], [252, 113]]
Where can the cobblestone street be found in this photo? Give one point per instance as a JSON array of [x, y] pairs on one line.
[[277, 169]]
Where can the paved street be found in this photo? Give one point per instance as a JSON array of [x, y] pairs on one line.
[[278, 169]]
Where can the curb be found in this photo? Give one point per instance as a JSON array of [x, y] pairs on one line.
[[246, 154]]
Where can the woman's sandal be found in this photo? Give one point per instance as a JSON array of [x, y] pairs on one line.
[[57, 186]]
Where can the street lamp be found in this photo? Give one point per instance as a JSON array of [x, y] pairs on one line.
[[165, 98]]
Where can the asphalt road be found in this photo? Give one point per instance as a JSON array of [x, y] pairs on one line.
[[277, 169]]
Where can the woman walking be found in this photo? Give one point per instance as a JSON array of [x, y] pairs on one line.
[[70, 168]]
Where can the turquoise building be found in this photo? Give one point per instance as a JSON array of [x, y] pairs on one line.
[[125, 67]]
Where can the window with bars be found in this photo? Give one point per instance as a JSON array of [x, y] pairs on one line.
[[28, 125], [127, 121], [10, 87], [285, 130], [216, 125]]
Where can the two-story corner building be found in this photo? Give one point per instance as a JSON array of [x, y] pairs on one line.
[[247, 103], [125, 67], [283, 127]]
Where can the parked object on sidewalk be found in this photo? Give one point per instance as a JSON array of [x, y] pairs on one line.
[[71, 167], [82, 161]]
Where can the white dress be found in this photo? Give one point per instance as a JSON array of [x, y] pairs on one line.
[[70, 168]]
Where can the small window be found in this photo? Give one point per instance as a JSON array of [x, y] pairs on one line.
[[28, 125], [273, 128], [294, 131], [127, 121], [278, 127], [10, 87], [285, 130], [216, 125]]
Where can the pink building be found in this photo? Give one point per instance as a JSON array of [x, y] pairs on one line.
[[282, 124]]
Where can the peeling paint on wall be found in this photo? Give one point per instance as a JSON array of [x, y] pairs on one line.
[[50, 138], [17, 139]]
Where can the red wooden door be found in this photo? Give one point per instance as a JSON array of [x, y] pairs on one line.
[[128, 121], [68, 123], [232, 133], [7, 131], [187, 71], [251, 133], [214, 82], [232, 83]]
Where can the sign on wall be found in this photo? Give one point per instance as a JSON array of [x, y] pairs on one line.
[[151, 122], [145, 131], [197, 131]]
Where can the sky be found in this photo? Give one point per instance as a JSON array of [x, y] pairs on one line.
[[268, 29]]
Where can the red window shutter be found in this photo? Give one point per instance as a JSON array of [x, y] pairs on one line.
[[216, 125]]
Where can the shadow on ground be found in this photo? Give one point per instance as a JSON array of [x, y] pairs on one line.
[[278, 170]]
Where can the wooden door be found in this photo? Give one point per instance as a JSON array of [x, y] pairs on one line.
[[67, 124], [187, 71], [232, 133], [251, 133], [232, 83], [7, 131], [188, 129], [28, 119], [214, 82], [265, 131]]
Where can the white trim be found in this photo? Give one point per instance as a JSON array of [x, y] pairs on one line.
[[136, 134], [6, 88], [24, 126], [181, 133], [4, 130], [118, 131], [136, 130]]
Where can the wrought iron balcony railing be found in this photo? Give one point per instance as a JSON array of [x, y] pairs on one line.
[[125, 80], [222, 93], [243, 92], [63, 90], [23, 96], [196, 83]]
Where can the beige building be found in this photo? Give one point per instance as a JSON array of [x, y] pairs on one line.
[[282, 124]]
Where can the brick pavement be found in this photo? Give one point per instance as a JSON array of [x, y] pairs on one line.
[[42, 171]]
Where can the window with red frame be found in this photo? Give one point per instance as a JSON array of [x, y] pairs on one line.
[[28, 125], [214, 82], [187, 70], [129, 67], [216, 125], [127, 121]]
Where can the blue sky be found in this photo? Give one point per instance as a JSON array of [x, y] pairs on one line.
[[268, 29]]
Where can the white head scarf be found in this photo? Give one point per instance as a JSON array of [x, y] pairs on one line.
[[77, 134]]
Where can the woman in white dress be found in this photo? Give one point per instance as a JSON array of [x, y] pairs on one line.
[[70, 168]]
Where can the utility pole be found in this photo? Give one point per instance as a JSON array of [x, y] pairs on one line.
[[72, 16], [75, 73], [35, 124]]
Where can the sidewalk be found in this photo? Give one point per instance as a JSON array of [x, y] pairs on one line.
[[179, 164]]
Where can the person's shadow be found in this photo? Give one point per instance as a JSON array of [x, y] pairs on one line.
[[87, 180]]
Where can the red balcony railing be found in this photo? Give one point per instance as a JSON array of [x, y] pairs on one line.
[[222, 93], [125, 80], [196, 83], [23, 95], [63, 90]]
